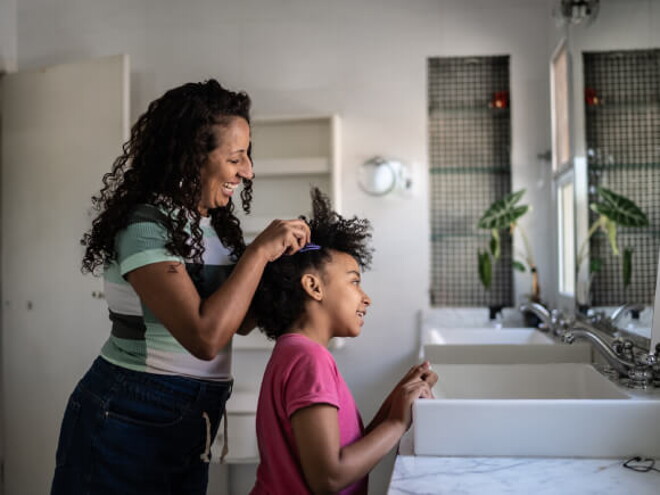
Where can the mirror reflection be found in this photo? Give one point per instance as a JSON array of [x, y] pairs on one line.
[[616, 156]]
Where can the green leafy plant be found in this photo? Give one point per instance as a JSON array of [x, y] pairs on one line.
[[613, 210], [501, 215]]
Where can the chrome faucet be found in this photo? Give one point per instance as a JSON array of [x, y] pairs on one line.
[[540, 311], [623, 309], [637, 371]]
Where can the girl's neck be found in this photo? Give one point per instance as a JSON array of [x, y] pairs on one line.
[[312, 329]]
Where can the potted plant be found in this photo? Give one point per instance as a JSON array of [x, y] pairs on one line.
[[613, 210], [501, 215]]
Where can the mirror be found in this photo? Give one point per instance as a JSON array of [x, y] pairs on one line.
[[655, 330], [606, 153]]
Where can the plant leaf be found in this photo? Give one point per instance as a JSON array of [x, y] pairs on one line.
[[517, 265], [485, 269], [495, 244], [610, 228], [595, 264], [503, 212], [620, 209], [626, 265]]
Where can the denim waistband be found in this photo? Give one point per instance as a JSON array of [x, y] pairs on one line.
[[106, 376]]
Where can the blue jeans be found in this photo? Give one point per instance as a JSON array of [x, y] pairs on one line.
[[127, 432]]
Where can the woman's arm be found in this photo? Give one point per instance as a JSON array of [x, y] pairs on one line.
[[204, 327], [327, 466]]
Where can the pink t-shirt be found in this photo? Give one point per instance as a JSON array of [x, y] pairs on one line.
[[300, 373]]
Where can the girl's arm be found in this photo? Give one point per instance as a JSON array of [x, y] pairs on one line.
[[204, 327], [327, 466]]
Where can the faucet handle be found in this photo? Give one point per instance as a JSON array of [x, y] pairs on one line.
[[647, 359], [640, 376], [627, 351], [563, 325], [597, 317], [622, 346]]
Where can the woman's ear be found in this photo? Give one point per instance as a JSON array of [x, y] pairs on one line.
[[311, 284]]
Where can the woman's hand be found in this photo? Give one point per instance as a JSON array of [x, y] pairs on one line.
[[282, 237]]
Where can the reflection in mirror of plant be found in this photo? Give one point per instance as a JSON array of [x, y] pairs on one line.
[[613, 210], [500, 215]]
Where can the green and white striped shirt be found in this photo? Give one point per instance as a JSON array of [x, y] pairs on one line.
[[138, 341]]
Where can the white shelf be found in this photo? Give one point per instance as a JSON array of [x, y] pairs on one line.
[[269, 167]]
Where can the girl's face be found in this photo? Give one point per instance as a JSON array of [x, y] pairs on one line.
[[344, 299], [227, 165]]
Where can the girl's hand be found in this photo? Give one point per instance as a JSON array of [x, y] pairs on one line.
[[429, 376], [422, 370], [413, 386], [282, 237]]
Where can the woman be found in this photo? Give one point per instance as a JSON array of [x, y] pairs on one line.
[[179, 280]]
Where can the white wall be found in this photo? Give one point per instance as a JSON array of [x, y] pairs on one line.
[[7, 36], [7, 64], [362, 59]]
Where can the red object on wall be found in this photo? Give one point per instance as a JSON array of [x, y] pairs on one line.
[[591, 97], [500, 99]]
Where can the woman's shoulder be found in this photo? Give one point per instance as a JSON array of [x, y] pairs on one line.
[[146, 212]]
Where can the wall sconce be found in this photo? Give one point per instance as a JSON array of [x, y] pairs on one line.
[[577, 11], [379, 176]]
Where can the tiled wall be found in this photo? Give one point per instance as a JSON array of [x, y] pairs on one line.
[[470, 167]]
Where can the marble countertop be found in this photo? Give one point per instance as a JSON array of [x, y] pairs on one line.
[[515, 475]]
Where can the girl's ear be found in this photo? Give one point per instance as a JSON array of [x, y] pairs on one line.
[[311, 284]]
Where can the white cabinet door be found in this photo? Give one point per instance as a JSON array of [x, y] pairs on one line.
[[62, 127]]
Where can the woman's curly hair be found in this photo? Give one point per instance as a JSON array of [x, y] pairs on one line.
[[279, 299], [160, 165]]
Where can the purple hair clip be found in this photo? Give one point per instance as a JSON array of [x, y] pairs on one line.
[[309, 247]]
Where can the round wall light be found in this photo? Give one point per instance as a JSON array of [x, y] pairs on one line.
[[379, 177]]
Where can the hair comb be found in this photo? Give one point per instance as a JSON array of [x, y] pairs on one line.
[[309, 247]]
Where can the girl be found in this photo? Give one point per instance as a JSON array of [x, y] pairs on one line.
[[310, 434]]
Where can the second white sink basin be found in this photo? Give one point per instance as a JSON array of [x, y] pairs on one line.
[[524, 381], [499, 346], [553, 410]]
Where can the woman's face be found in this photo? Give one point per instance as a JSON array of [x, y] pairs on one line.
[[227, 165]]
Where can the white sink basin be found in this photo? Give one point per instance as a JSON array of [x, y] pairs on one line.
[[499, 346], [482, 336], [553, 410]]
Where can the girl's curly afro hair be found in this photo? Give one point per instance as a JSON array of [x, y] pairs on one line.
[[279, 299]]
